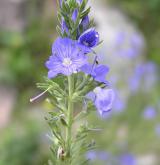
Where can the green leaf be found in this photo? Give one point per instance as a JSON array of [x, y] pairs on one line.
[[83, 5], [86, 12], [52, 87], [58, 29]]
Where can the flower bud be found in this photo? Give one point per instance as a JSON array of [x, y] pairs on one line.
[[64, 27], [79, 1], [85, 22], [60, 2], [75, 15], [89, 38]]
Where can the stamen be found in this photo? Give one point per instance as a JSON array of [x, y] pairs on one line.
[[37, 97], [67, 62]]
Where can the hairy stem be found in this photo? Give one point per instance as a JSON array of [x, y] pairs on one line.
[[69, 114]]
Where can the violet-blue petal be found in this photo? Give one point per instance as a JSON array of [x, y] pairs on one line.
[[67, 57], [100, 73], [52, 74], [89, 38], [91, 95], [104, 100], [87, 68]]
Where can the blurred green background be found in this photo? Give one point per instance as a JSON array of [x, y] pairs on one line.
[[131, 132]]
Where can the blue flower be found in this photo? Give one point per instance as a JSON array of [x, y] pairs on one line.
[[91, 155], [98, 72], [67, 57], [127, 159], [97, 155], [104, 100], [134, 44], [141, 76], [149, 113], [75, 15], [89, 38]]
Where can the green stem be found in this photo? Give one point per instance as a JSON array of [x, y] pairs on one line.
[[69, 113], [82, 83]]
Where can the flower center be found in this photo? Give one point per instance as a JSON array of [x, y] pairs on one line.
[[67, 62]]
